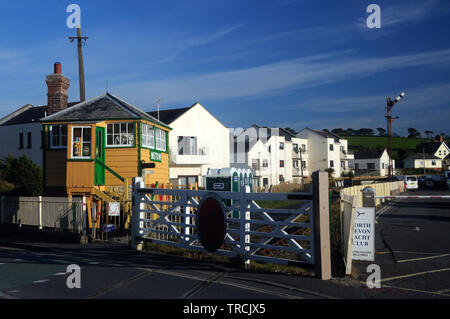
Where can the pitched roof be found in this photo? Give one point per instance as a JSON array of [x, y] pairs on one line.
[[102, 107], [326, 134], [30, 114], [431, 147], [369, 154], [169, 116], [422, 156]]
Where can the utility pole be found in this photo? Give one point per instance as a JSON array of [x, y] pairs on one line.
[[389, 105], [80, 39]]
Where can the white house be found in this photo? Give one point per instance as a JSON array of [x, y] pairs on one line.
[[419, 160], [20, 134], [371, 162], [439, 149], [327, 150], [197, 142]]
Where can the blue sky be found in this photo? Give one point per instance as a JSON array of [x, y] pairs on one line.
[[294, 63]]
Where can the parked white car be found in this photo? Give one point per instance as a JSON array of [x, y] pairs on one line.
[[411, 182]]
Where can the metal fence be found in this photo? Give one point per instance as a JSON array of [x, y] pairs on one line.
[[299, 233], [43, 212]]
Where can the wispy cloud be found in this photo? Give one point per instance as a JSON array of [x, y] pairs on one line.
[[199, 41], [276, 78]]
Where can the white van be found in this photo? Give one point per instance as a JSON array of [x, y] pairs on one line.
[[411, 182]]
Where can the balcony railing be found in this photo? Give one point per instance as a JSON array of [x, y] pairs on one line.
[[198, 156]]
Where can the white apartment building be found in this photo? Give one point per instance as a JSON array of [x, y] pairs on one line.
[[274, 154], [327, 150], [198, 141]]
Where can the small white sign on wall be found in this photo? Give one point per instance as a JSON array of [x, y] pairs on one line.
[[363, 246], [113, 209]]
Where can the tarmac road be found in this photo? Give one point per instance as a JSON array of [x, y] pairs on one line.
[[413, 245]]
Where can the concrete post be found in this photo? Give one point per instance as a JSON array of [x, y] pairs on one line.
[[321, 220]]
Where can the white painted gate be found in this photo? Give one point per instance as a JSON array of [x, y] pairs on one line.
[[283, 236]]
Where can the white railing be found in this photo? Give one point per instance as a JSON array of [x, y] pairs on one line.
[[281, 235]]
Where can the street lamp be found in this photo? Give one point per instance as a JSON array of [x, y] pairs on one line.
[[389, 105]]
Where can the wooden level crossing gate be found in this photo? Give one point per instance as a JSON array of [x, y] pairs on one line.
[[298, 233]]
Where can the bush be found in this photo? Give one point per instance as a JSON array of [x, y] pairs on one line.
[[25, 176]]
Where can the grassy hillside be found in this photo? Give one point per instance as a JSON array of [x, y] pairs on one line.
[[358, 142], [402, 147]]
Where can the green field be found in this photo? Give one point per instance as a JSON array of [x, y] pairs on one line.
[[357, 142]]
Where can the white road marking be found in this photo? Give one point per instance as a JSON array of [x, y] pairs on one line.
[[94, 263], [422, 258], [40, 281], [413, 275], [60, 274]]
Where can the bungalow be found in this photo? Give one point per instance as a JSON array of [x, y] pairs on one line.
[[421, 160], [371, 162]]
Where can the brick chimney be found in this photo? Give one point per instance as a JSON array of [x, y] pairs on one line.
[[57, 85]]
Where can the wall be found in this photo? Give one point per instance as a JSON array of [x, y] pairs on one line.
[[43, 212], [9, 141], [210, 133]]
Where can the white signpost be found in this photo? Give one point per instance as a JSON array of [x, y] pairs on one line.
[[363, 247]]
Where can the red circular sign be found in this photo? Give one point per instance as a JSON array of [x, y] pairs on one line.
[[211, 224]]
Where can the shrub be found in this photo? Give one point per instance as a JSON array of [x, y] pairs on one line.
[[24, 174]]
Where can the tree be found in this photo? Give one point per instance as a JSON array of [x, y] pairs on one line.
[[429, 134], [339, 131], [381, 131], [24, 174], [366, 132], [413, 133], [351, 132]]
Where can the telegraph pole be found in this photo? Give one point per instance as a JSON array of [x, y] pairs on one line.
[[80, 39], [389, 105]]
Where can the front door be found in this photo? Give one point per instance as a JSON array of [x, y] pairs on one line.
[[99, 178]]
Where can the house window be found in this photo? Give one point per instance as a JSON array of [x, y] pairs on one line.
[[160, 140], [281, 178], [20, 141], [295, 147], [331, 147], [281, 163], [187, 145], [303, 147], [81, 142], [265, 181], [433, 163], [29, 140], [148, 136], [265, 163], [343, 164], [331, 163], [120, 134], [58, 136], [281, 146], [295, 164], [303, 164], [370, 165], [440, 153]]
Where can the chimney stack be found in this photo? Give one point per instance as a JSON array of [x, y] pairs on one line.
[[58, 85]]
